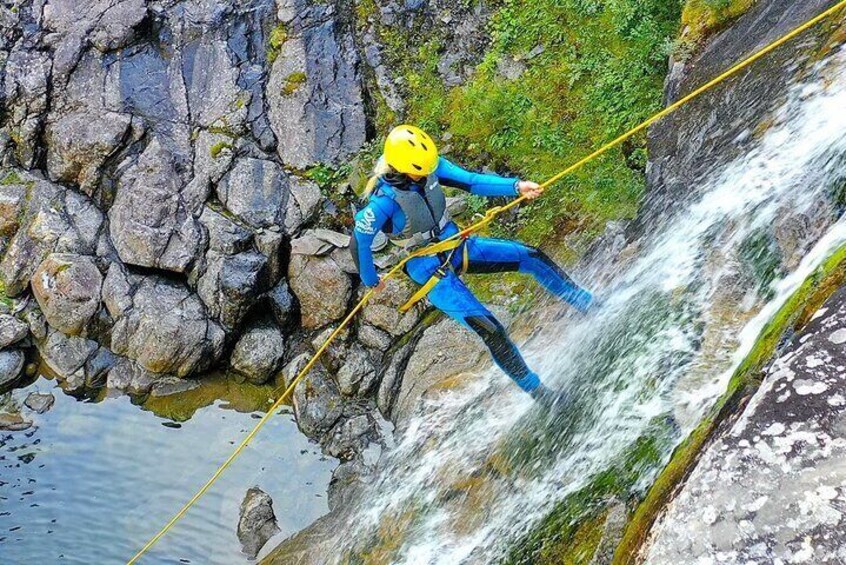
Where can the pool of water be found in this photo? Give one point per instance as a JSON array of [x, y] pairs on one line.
[[90, 482]]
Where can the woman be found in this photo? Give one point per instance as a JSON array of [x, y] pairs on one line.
[[407, 203]]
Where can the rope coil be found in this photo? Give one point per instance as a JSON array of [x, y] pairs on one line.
[[449, 243]]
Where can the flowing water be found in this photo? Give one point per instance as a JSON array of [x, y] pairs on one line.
[[92, 481], [481, 466]]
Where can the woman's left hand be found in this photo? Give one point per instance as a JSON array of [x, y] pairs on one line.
[[529, 189]]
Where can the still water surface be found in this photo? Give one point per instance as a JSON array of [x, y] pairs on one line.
[[90, 482]]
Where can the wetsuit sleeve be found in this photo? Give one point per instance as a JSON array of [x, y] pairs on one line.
[[368, 222], [481, 184]]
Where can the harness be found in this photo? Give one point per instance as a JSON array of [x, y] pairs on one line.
[[426, 216], [440, 273]]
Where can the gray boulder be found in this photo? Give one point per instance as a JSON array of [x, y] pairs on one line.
[[445, 351], [79, 143], [160, 324], [231, 284], [12, 202], [357, 374], [151, 222], [211, 79], [67, 287], [322, 288], [128, 377], [373, 338], [303, 204], [225, 235], [256, 191], [26, 83], [258, 353], [317, 403], [281, 303], [257, 522], [350, 437], [382, 311], [314, 92], [269, 243], [12, 330], [117, 26], [11, 366], [392, 378], [770, 487], [55, 220], [39, 402], [67, 357], [107, 24]]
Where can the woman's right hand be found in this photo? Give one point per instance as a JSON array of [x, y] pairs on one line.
[[379, 287]]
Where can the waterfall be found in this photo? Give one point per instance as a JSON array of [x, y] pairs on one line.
[[481, 466]]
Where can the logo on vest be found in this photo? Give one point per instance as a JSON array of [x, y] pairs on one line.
[[365, 223]]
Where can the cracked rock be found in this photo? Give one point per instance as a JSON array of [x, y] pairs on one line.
[[314, 92], [258, 353], [152, 225], [67, 287], [257, 522]]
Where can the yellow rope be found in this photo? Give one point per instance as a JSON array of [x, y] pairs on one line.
[[445, 245]]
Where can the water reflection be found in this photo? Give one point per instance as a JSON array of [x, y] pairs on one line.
[[92, 480]]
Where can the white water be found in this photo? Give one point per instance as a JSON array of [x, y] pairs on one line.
[[680, 316]]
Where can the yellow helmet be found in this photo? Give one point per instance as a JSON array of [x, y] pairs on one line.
[[410, 151]]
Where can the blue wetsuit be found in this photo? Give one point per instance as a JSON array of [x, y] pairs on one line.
[[486, 255]]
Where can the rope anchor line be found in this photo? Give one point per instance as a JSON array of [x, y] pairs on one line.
[[445, 245]]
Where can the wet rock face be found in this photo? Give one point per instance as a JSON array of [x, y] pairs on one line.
[[719, 126], [771, 488], [257, 523], [445, 351], [316, 109], [11, 366]]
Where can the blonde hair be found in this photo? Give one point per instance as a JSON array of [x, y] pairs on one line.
[[380, 169]]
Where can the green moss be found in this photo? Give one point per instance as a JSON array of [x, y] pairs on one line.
[[275, 39], [761, 257], [224, 130], [703, 18], [293, 82], [218, 147], [11, 178], [567, 533], [4, 298], [791, 317], [601, 73]]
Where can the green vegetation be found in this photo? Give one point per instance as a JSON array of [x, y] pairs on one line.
[[703, 18], [275, 39], [792, 317], [12, 177], [4, 298], [293, 82], [571, 532], [591, 70], [218, 147]]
